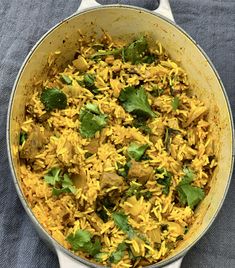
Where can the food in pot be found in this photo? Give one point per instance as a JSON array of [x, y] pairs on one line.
[[116, 152]]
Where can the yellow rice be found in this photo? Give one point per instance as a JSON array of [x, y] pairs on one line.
[[67, 213]]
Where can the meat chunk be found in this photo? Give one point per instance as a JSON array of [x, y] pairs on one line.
[[36, 140], [79, 180], [140, 172], [109, 180], [92, 146]]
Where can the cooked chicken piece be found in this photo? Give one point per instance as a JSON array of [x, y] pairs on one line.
[[140, 172], [109, 180], [195, 113], [79, 180], [92, 147], [36, 140]]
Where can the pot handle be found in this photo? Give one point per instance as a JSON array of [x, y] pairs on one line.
[[163, 9], [66, 261]]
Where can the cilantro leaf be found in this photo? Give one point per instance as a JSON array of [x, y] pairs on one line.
[[134, 189], [53, 176], [165, 180], [92, 120], [62, 184], [66, 79], [23, 137], [123, 169], [53, 98], [147, 195], [82, 240], [78, 239], [135, 51], [188, 194], [93, 108], [68, 184], [137, 190], [89, 82], [121, 220], [136, 151], [101, 53], [141, 125], [56, 191], [117, 255], [175, 103], [92, 248], [188, 176], [135, 100], [156, 91]]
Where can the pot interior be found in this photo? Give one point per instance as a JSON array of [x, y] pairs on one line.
[[127, 23]]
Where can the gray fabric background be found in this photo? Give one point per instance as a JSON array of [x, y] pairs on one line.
[[210, 22]]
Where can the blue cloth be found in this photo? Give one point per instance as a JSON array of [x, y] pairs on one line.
[[210, 22]]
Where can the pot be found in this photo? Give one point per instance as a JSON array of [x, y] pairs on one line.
[[126, 21]]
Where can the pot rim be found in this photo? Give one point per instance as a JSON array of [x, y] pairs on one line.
[[23, 200]]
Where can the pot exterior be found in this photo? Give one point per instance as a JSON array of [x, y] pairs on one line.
[[126, 23]]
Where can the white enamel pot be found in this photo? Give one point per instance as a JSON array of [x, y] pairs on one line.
[[129, 22]]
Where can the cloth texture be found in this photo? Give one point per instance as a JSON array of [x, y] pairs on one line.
[[210, 22]]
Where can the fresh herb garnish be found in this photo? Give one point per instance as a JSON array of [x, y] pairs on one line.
[[188, 194], [89, 81], [156, 92], [61, 183], [134, 189], [169, 133], [121, 220], [135, 100], [188, 177], [53, 98], [53, 176], [66, 79], [23, 137], [137, 190], [136, 151], [165, 179], [92, 120], [123, 169], [103, 206], [82, 240], [101, 53], [117, 255], [175, 103], [138, 52], [140, 123]]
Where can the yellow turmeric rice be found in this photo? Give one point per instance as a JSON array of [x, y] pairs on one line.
[[116, 153]]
